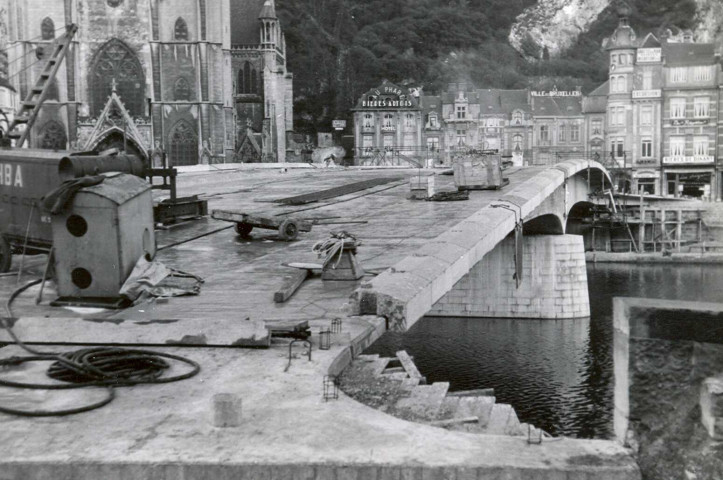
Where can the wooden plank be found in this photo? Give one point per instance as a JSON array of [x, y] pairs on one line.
[[454, 421], [408, 364], [291, 285]]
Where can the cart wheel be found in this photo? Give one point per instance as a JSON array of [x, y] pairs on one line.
[[6, 255], [288, 230], [243, 229]]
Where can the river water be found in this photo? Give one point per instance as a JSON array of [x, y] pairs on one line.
[[558, 374]]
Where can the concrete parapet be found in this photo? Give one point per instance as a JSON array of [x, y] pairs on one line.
[[406, 292], [554, 282], [665, 353]]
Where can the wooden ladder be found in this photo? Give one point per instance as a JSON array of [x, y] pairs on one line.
[[30, 107]]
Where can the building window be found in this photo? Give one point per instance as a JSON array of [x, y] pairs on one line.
[[678, 74], [461, 112], [517, 142], [647, 79], [517, 117], [368, 120], [461, 136], [388, 142], [409, 120], [677, 108], [183, 144], [433, 121], [646, 185], [617, 147], [700, 146], [53, 136], [646, 148], [116, 63], [388, 120], [561, 133], [574, 132], [618, 83], [367, 143], [646, 115], [246, 80], [180, 31], [596, 126], [544, 133], [432, 144], [701, 107], [613, 59], [617, 116], [47, 29], [702, 74], [181, 90], [677, 146]]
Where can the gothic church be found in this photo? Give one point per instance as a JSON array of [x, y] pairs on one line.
[[204, 81]]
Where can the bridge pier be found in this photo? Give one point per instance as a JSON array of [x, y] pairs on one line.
[[554, 282]]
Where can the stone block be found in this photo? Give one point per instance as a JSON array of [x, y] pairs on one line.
[[711, 406]]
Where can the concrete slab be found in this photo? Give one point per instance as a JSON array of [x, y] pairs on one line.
[[287, 429], [209, 332]]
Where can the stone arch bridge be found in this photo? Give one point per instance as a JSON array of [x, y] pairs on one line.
[[471, 269]]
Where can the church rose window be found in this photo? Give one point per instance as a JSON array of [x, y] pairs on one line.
[[116, 61], [183, 144], [180, 32], [47, 29], [52, 136]]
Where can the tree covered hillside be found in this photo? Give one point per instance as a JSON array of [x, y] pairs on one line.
[[338, 49]]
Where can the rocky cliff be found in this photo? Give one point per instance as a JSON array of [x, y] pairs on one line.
[[555, 25]]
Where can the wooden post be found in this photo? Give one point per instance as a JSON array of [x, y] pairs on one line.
[[679, 229]]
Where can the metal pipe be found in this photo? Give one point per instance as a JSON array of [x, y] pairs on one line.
[[78, 166]]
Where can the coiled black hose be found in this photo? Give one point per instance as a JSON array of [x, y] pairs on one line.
[[107, 367]]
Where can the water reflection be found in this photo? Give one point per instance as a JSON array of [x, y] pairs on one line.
[[556, 373]]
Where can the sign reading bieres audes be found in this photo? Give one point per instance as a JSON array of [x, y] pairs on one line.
[[387, 97]]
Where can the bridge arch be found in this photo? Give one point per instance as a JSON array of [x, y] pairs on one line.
[[548, 224]]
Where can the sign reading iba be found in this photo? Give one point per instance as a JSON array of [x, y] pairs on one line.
[[11, 175]]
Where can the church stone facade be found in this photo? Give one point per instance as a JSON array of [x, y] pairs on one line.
[[203, 81]]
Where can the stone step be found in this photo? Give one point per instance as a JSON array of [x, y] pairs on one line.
[[377, 366], [480, 407], [424, 401], [368, 357], [480, 392], [503, 421]]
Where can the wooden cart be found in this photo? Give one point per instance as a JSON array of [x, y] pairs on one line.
[[288, 228]]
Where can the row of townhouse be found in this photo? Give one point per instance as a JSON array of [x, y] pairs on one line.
[[655, 123], [530, 127]]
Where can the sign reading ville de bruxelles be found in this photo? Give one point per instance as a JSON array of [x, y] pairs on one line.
[[556, 93]]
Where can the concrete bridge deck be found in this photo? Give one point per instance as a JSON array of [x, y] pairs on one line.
[[287, 430]]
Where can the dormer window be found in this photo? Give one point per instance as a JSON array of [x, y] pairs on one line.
[[517, 117], [461, 112], [433, 120]]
